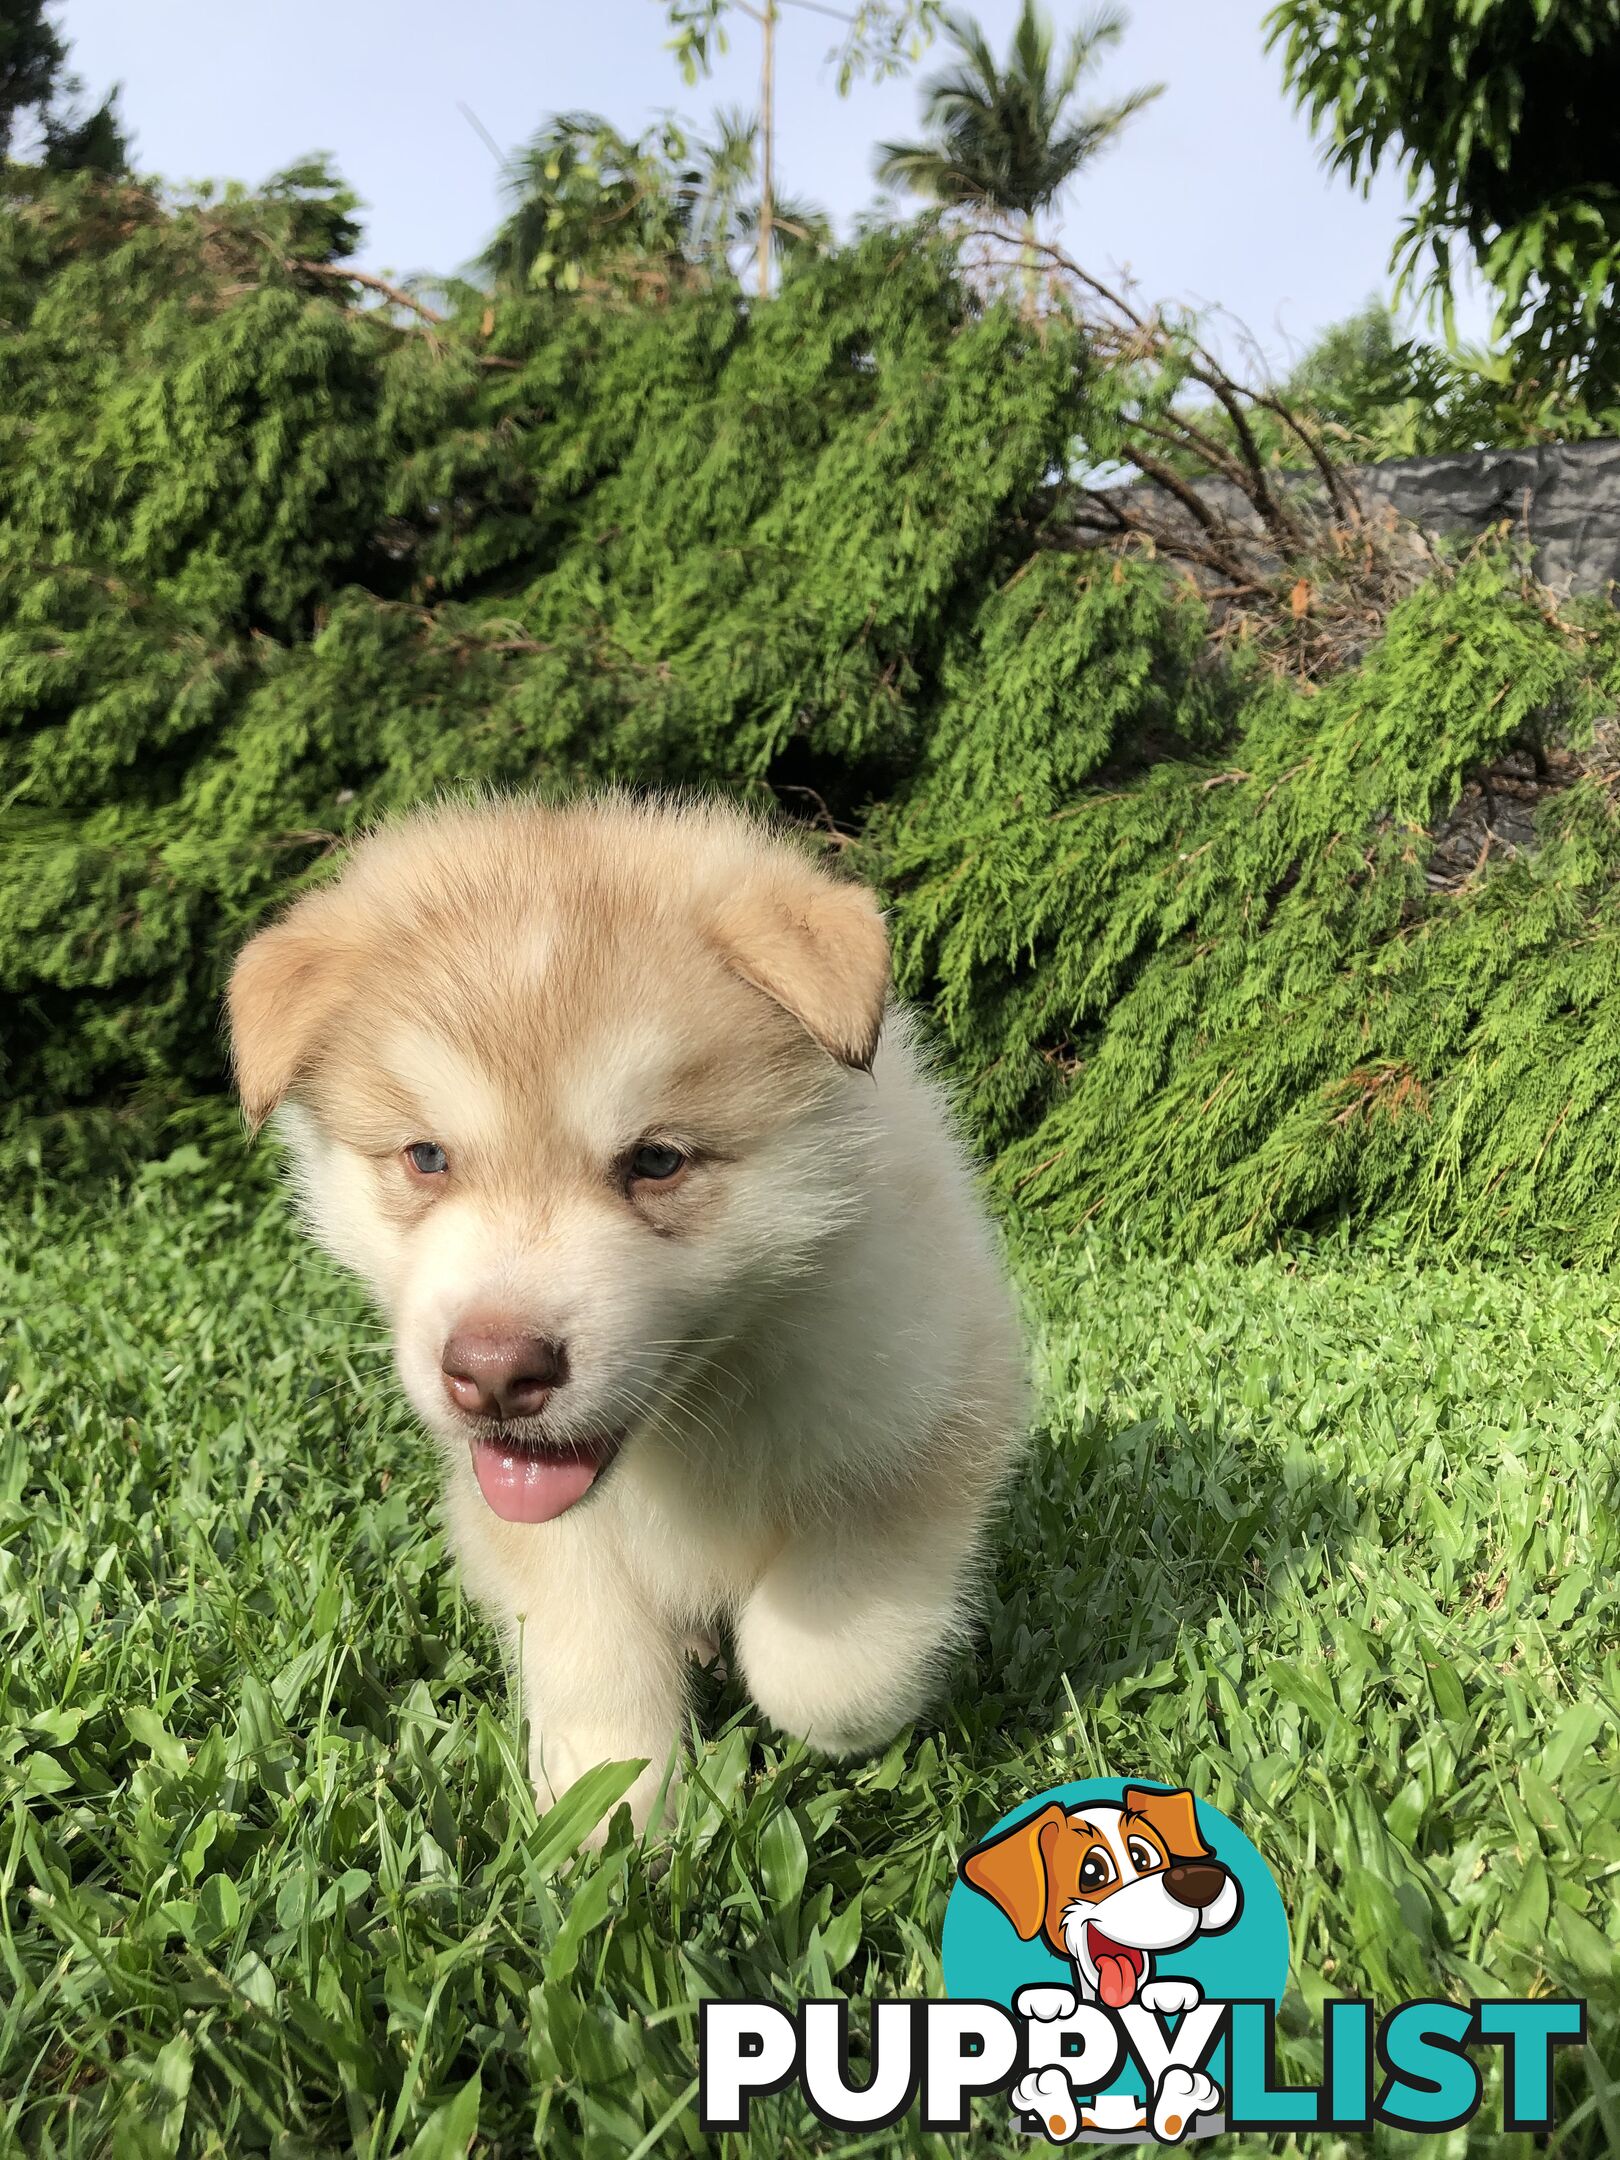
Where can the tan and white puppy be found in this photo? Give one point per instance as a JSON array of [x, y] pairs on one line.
[[683, 1262]]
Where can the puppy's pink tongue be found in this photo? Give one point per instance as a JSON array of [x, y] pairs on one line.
[[531, 1488], [1116, 1981]]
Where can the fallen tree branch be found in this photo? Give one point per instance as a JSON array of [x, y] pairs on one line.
[[396, 295], [1282, 553], [1132, 334]]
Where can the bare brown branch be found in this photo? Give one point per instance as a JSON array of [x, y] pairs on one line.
[[396, 295], [342, 274]]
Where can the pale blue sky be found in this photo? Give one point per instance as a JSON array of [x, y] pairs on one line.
[[1216, 195]]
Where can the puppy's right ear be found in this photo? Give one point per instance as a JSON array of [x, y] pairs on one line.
[[1011, 1870], [287, 986]]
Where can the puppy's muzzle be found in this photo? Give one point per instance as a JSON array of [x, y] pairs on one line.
[[1194, 1883], [493, 1370]]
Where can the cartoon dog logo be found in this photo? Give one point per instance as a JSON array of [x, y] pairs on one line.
[[1111, 1887]]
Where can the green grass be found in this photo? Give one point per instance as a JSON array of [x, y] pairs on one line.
[[1334, 1542]]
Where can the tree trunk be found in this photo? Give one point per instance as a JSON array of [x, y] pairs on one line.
[[767, 178]]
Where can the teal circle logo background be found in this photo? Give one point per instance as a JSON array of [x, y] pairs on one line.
[[983, 1957]]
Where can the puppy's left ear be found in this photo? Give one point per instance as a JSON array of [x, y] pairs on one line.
[[815, 945], [1175, 1817]]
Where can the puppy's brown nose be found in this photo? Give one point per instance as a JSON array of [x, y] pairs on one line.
[[1192, 1882], [493, 1371]]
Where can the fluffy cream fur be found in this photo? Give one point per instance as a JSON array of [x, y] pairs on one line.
[[805, 1342]]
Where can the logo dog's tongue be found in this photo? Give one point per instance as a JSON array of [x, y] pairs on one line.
[[1116, 1979], [528, 1488]]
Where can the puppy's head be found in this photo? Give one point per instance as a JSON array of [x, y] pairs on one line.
[[1109, 1884], [573, 1091]]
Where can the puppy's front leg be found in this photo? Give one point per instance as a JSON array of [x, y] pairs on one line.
[[603, 1681], [845, 1635]]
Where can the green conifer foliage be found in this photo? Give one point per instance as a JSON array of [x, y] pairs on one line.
[[277, 557], [1214, 999], [273, 562]]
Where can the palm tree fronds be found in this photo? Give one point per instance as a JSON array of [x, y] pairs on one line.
[[589, 203], [1001, 136]]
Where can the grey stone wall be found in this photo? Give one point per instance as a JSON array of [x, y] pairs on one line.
[[1565, 495]]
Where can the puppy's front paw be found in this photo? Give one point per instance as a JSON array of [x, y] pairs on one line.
[[1183, 2096], [1169, 1998], [1045, 2004], [1048, 2094], [556, 1766]]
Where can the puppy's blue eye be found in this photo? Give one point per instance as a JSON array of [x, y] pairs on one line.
[[655, 1162], [427, 1158]]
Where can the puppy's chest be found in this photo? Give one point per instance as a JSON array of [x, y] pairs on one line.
[[696, 1546]]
